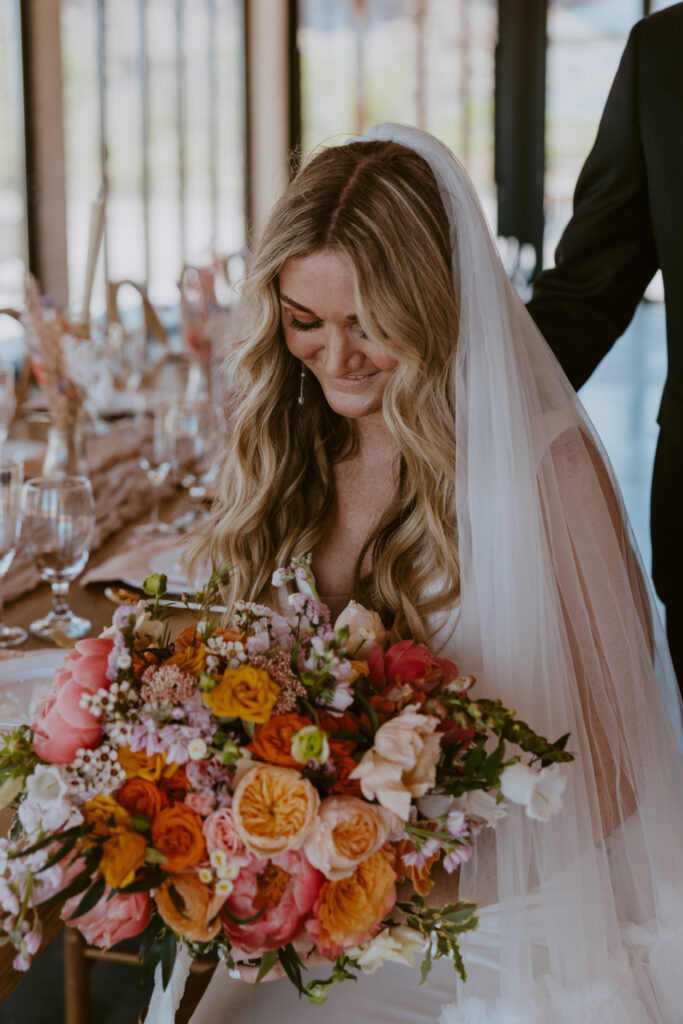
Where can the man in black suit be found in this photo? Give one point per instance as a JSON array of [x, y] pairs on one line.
[[627, 223]]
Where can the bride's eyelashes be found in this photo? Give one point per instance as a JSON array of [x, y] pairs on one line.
[[303, 325]]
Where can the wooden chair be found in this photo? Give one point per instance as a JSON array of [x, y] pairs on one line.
[[79, 958]]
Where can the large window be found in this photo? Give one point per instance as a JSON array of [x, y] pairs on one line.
[[153, 106], [13, 232], [423, 62]]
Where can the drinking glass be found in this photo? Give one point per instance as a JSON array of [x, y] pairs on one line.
[[59, 521], [156, 462], [196, 431], [11, 476], [7, 400]]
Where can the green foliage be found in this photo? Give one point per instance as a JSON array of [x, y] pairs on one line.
[[441, 927]]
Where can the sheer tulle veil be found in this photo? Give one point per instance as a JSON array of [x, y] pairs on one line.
[[583, 916]]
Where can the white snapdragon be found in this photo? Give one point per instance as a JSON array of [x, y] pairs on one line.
[[400, 945], [539, 792]]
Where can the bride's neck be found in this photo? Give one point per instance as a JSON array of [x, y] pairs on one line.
[[375, 440]]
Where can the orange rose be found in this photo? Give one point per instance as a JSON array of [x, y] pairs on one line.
[[177, 833], [245, 692], [273, 809], [192, 659], [350, 912], [199, 921], [103, 814], [174, 782], [273, 740], [187, 637], [123, 853], [140, 796]]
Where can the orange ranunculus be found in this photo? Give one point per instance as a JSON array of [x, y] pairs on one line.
[[174, 782], [272, 740], [245, 692], [103, 814], [273, 809], [341, 752], [140, 796], [138, 763], [122, 854], [200, 920], [350, 912], [188, 637], [192, 659], [177, 833]]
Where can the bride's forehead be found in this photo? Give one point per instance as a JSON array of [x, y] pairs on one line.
[[322, 274]]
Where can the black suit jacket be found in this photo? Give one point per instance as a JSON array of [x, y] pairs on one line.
[[627, 222]]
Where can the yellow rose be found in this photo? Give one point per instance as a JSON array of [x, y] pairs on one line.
[[103, 814], [246, 692], [191, 660], [123, 853]]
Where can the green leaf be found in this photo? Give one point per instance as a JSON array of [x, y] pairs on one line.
[[267, 961], [63, 851], [244, 920], [75, 830], [150, 881], [91, 898], [291, 963], [168, 952], [78, 884], [426, 966], [178, 901]]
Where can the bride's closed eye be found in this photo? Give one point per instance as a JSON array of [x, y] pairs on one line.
[[303, 325]]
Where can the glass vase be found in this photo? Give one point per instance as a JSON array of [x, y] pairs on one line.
[[65, 455]]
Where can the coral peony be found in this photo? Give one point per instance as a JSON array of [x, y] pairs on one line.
[[412, 664], [60, 724], [114, 918], [273, 809], [199, 919], [350, 912], [287, 885], [177, 833], [347, 831]]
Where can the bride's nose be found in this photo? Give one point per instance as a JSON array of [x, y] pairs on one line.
[[341, 354]]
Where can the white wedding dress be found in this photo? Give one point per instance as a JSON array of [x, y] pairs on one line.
[[581, 917]]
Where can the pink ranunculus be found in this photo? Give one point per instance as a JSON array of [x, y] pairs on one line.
[[287, 907], [411, 663], [202, 803], [110, 920], [60, 724], [220, 834]]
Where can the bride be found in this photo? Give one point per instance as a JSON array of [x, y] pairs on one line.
[[400, 416]]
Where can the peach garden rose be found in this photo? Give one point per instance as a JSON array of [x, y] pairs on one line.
[[347, 831], [273, 809]]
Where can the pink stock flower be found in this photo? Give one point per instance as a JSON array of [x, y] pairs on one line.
[[288, 886], [111, 919], [60, 724], [409, 663]]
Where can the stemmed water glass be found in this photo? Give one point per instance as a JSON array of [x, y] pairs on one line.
[[11, 476], [7, 400], [156, 462], [59, 521], [196, 430]]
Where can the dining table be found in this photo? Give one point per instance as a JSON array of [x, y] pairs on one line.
[[122, 501]]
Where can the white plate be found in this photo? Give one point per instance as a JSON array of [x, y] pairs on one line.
[[170, 563], [24, 682]]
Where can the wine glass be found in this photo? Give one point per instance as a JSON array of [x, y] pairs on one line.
[[7, 400], [196, 430], [156, 463], [59, 521], [11, 476]]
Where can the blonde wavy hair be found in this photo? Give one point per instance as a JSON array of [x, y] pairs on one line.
[[377, 206]]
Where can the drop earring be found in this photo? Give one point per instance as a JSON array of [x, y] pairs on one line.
[[302, 378]]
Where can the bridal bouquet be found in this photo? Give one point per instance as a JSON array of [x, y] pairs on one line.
[[258, 791]]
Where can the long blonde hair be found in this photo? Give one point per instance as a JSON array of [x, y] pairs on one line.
[[377, 206]]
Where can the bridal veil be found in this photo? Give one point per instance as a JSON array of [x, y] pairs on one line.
[[582, 917]]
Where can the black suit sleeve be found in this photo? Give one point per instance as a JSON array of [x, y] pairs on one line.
[[607, 254]]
